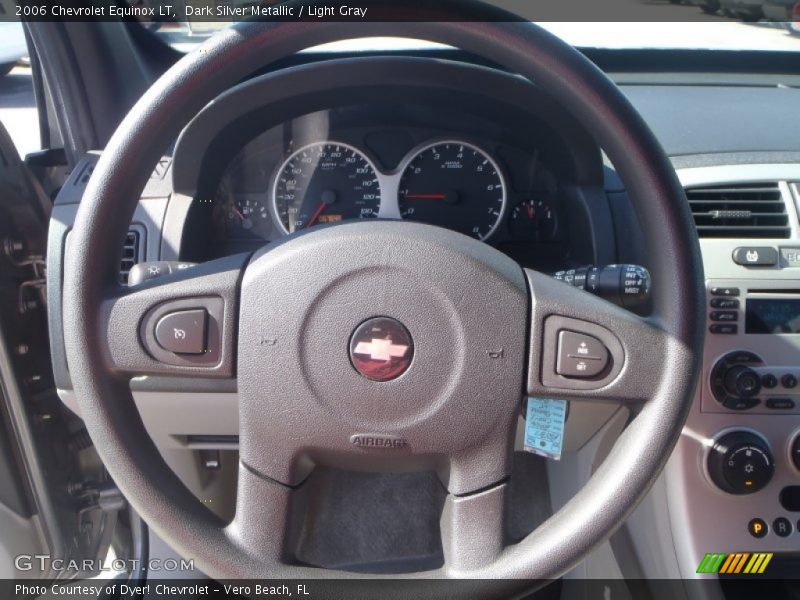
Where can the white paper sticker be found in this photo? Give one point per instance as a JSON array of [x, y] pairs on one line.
[[544, 427]]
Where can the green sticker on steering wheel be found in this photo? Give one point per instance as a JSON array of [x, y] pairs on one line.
[[544, 427]]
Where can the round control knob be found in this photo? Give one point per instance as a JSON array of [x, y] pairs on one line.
[[735, 383], [740, 463], [742, 381]]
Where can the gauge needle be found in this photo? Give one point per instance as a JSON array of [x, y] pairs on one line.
[[449, 197], [239, 213], [317, 213], [530, 211], [425, 196]]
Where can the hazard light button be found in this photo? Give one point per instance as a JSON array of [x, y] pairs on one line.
[[580, 355]]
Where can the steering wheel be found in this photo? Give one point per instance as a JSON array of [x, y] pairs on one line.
[[475, 326]]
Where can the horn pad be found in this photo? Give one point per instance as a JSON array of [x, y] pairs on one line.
[[410, 353]]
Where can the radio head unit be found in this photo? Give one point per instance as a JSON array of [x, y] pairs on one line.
[[753, 337]]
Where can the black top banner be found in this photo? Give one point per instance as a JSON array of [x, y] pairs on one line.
[[227, 11]]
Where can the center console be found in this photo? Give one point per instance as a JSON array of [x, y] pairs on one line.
[[733, 482]]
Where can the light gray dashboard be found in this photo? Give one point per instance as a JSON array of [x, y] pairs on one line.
[[703, 517]]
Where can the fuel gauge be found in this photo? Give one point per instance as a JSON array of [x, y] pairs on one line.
[[244, 215], [533, 220]]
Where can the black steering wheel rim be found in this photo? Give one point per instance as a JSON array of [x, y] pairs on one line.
[[109, 201]]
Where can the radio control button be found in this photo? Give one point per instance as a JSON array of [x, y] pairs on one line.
[[742, 381], [724, 315], [755, 256], [725, 291], [734, 403], [789, 381], [796, 452], [725, 329], [780, 403], [769, 381], [742, 357], [724, 303], [733, 380]]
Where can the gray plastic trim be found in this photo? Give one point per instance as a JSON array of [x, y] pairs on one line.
[[702, 517]]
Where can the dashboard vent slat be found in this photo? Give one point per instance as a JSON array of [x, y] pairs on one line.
[[739, 211], [130, 255]]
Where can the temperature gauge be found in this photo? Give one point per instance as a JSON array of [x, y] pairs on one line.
[[533, 220]]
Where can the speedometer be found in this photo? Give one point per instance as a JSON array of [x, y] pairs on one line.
[[325, 182], [455, 185]]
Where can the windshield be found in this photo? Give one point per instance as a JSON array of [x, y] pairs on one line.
[[766, 25]]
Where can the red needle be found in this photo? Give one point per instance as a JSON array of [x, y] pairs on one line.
[[318, 212], [530, 211], [238, 212], [425, 196]]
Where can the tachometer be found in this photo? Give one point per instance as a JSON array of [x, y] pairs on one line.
[[325, 182], [455, 185]]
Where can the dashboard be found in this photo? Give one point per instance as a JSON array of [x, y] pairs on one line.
[[426, 141]]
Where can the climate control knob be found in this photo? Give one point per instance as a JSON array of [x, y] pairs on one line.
[[740, 462], [742, 381]]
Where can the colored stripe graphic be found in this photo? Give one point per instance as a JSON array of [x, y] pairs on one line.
[[730, 564], [711, 562], [732, 558], [740, 564], [767, 558], [736, 563]]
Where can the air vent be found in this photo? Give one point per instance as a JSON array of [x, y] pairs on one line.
[[130, 255], [748, 210]]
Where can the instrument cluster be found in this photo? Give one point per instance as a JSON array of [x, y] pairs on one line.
[[448, 182]]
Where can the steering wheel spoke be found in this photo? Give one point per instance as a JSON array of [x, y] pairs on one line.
[[473, 529], [181, 324], [586, 348], [263, 520]]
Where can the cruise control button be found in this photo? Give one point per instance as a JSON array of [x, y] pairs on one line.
[[183, 332], [755, 256], [725, 291], [724, 303], [757, 527], [726, 329], [724, 315], [580, 355]]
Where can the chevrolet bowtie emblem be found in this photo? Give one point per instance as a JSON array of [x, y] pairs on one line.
[[381, 349]]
